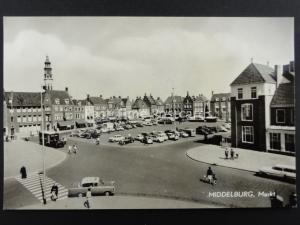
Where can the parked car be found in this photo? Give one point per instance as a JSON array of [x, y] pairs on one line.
[[279, 171], [119, 128], [97, 186], [221, 128], [104, 130], [183, 134], [172, 136], [139, 137], [139, 124], [190, 132], [158, 138], [163, 134], [127, 140], [154, 122], [75, 133], [147, 123], [147, 140], [128, 126], [116, 138]]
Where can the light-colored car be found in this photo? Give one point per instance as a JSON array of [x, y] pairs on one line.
[[116, 138], [119, 128], [139, 137], [97, 186], [183, 134], [163, 134], [280, 171], [158, 138], [147, 123], [104, 130]]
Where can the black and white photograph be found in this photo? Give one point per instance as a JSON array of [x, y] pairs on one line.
[[120, 112]]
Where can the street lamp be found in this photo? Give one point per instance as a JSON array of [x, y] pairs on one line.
[[43, 149]]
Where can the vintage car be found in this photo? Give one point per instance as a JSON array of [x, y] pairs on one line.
[[127, 140], [147, 140], [116, 138], [97, 186], [139, 137], [279, 171], [158, 138]]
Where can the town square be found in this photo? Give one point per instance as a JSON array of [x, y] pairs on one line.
[[137, 122]]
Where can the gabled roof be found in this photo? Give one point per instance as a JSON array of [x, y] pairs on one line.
[[219, 96], [284, 95], [23, 99], [159, 101], [178, 99], [139, 104], [97, 100], [61, 95], [255, 73], [82, 102]]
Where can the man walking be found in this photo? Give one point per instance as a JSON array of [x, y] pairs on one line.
[[54, 192], [87, 201], [231, 153], [226, 153], [70, 149], [23, 172]]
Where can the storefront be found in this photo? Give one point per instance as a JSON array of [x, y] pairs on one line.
[[65, 125]]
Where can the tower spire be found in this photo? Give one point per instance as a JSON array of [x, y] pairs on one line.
[[48, 80]]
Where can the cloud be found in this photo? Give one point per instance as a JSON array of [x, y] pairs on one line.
[[130, 56]]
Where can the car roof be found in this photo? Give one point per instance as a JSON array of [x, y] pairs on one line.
[[90, 180], [286, 166]]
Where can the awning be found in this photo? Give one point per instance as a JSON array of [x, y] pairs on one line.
[[65, 123]]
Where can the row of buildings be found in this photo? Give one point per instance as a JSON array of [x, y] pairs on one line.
[[23, 113]]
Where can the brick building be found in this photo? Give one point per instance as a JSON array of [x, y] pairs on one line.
[[220, 106]]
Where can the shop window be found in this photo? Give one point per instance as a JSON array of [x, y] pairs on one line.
[[247, 134], [275, 142], [290, 142]]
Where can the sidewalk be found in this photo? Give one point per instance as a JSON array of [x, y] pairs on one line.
[[119, 202], [20, 153], [248, 159]]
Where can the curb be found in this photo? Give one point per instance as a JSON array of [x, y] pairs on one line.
[[215, 164], [48, 167]]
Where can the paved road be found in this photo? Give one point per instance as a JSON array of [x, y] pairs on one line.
[[160, 171]]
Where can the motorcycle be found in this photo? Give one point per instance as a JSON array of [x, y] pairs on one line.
[[212, 180]]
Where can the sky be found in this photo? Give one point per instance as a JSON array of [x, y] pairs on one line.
[[131, 56]]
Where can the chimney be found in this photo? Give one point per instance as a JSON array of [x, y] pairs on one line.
[[88, 97], [67, 89], [278, 74], [212, 93], [100, 96]]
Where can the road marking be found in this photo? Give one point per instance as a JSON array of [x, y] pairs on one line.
[[33, 184]]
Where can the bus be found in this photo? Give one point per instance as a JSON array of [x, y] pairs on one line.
[[51, 139]]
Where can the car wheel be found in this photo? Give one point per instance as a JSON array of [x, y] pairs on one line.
[[107, 193]]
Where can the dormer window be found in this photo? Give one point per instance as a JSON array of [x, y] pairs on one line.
[[57, 101], [224, 99], [217, 99], [67, 101]]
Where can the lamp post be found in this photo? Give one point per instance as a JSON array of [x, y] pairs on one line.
[[43, 150]]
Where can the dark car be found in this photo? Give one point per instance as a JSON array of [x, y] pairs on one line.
[[139, 124]]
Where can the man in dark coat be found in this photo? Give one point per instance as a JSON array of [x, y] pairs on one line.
[[54, 192], [23, 172]]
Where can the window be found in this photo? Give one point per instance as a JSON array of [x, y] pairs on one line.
[[29, 109], [224, 99], [290, 142], [34, 118], [253, 92], [247, 112], [29, 119], [240, 93], [67, 101], [19, 119], [34, 109], [24, 109], [24, 119], [40, 118], [56, 108], [275, 141], [18, 109], [57, 101], [217, 99], [247, 134], [280, 116]]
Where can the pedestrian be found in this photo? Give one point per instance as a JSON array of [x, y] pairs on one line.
[[231, 153], [54, 192], [75, 149], [226, 153], [70, 149], [98, 141], [88, 195], [23, 172]]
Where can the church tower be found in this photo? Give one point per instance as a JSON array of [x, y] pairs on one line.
[[48, 74]]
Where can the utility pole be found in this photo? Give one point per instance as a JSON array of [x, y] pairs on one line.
[[43, 149]]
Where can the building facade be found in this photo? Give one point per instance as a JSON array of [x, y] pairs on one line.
[[100, 106], [195, 105], [24, 114], [220, 106], [140, 108], [79, 113], [251, 95], [280, 134], [174, 105], [151, 103]]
